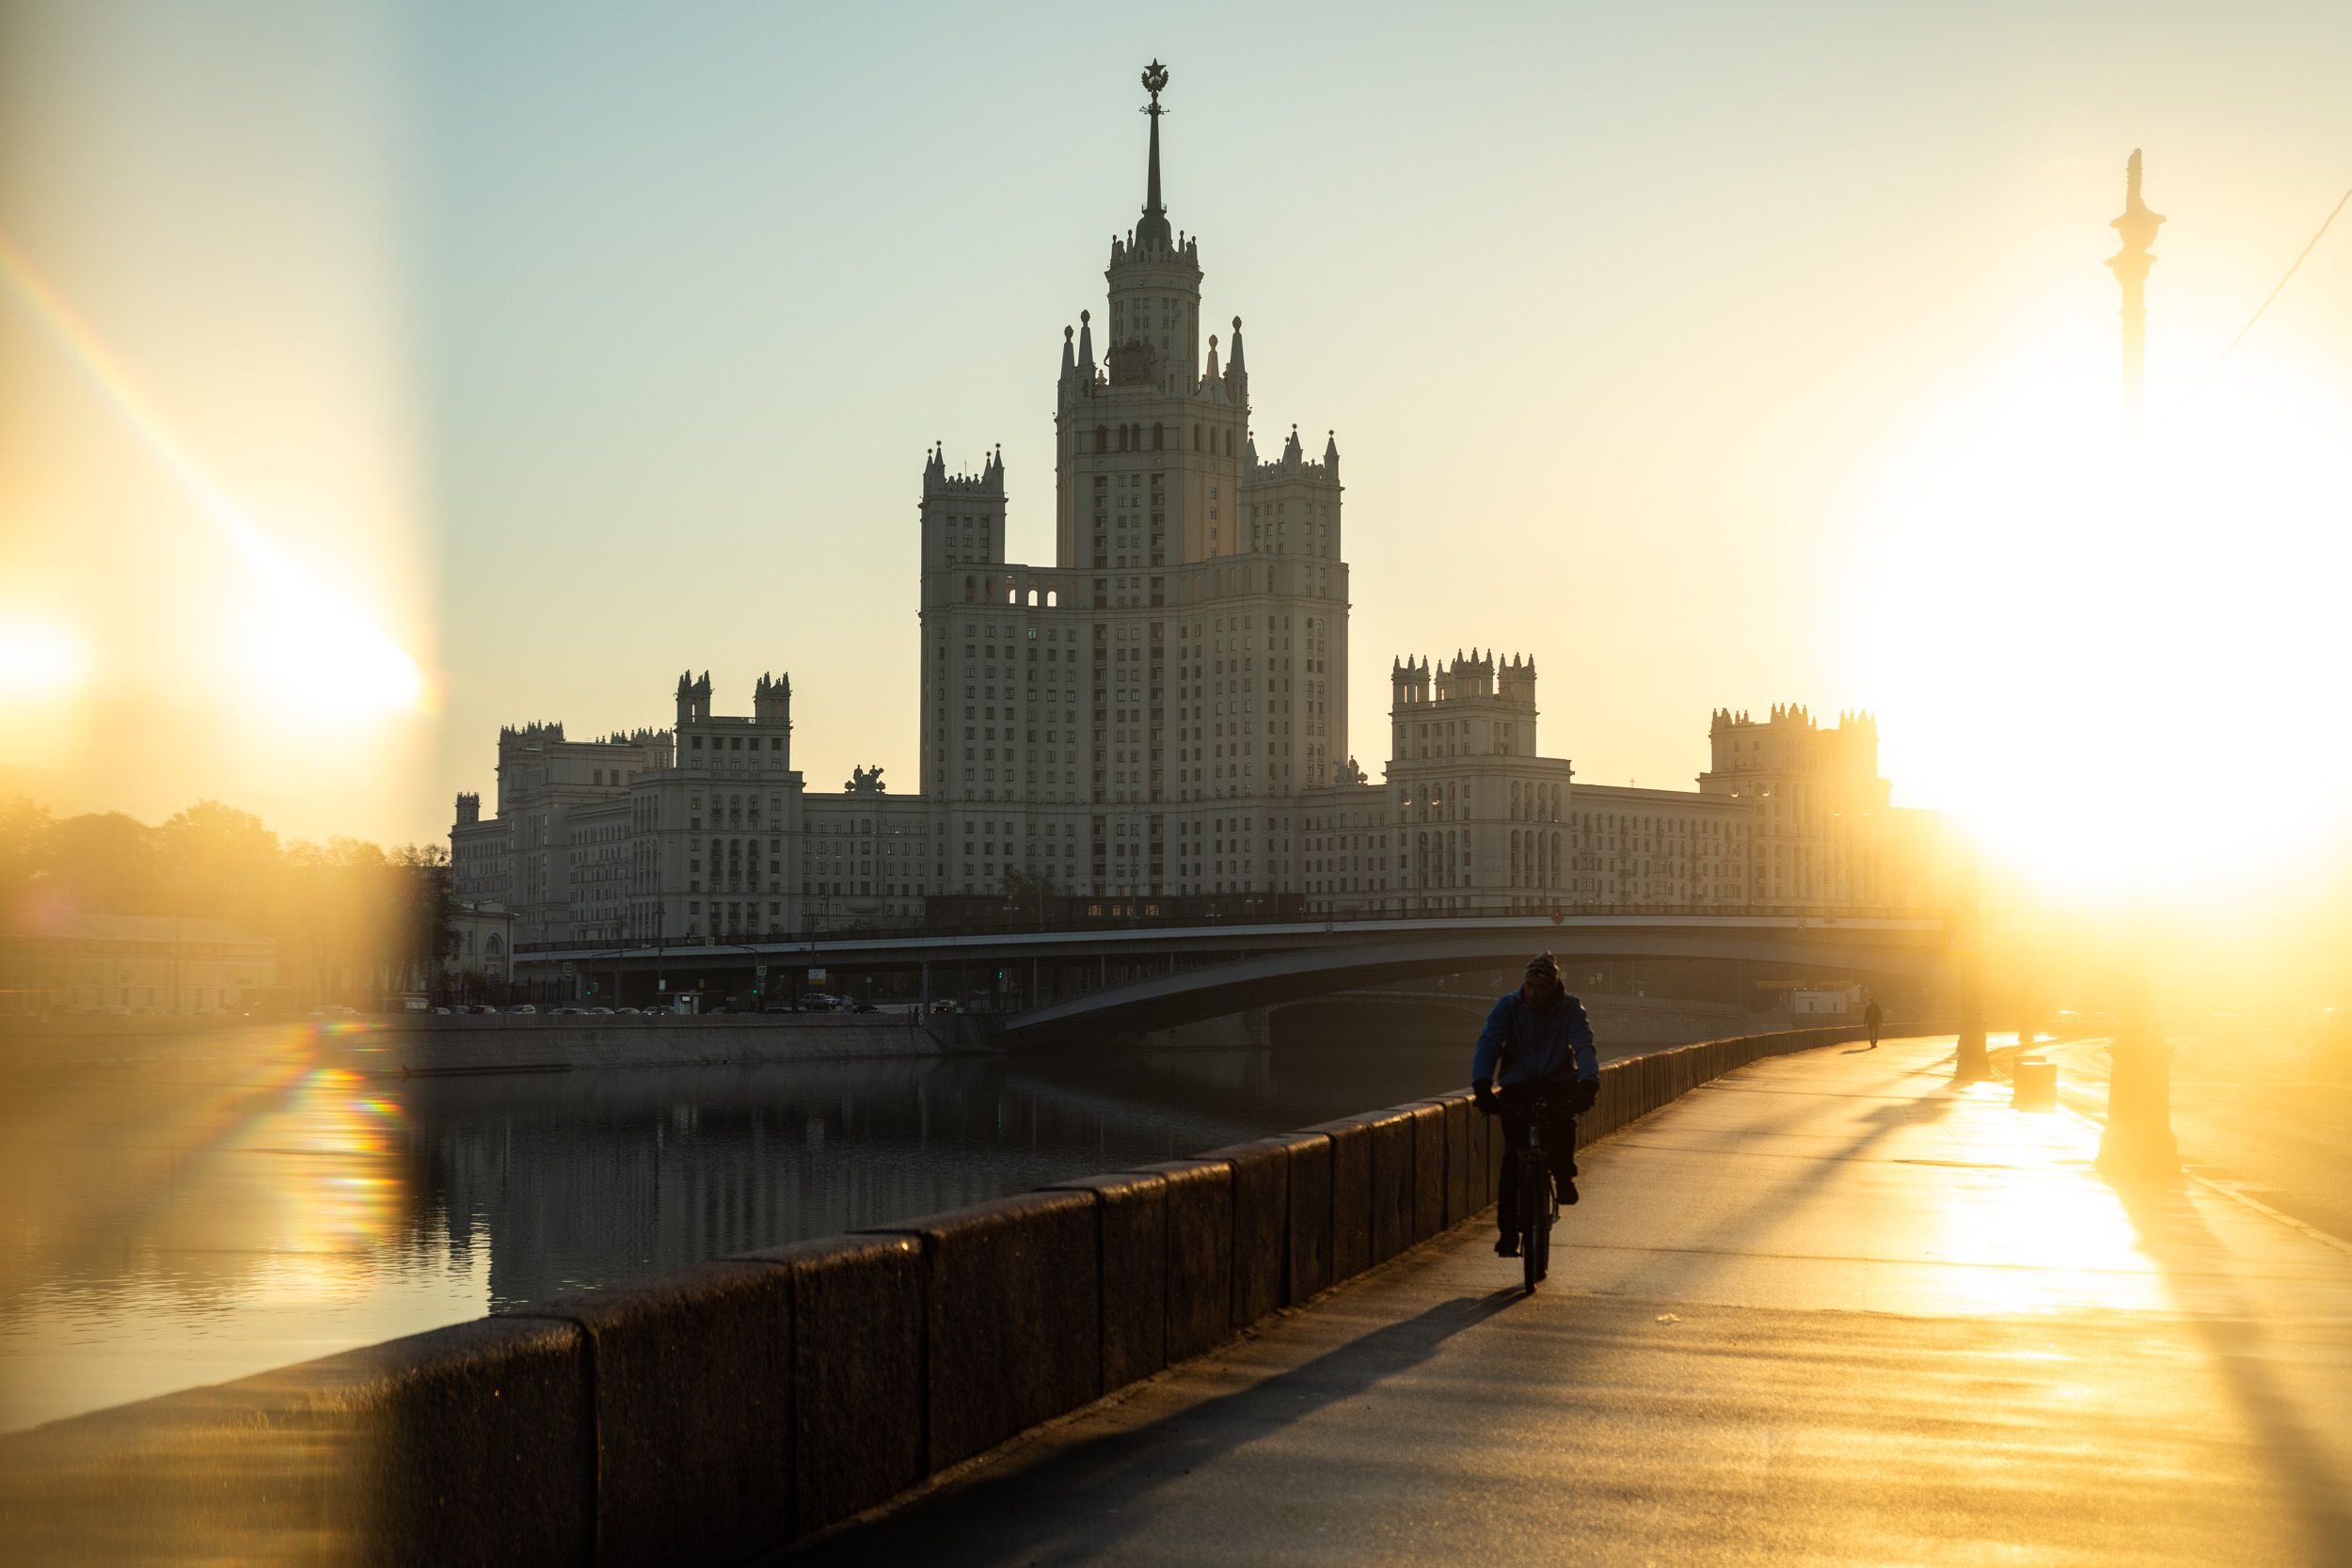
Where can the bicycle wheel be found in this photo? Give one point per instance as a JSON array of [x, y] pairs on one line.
[[1543, 1231], [1533, 1179]]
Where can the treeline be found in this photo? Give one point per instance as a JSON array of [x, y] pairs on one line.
[[351, 919]]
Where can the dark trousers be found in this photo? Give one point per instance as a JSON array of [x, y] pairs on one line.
[[1559, 1131]]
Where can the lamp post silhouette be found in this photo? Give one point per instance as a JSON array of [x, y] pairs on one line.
[[2137, 1142], [1970, 1061], [2138, 226]]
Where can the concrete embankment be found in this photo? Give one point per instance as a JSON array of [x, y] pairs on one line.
[[431, 1044], [740, 1405]]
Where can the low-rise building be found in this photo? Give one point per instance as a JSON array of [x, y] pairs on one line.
[[137, 963]]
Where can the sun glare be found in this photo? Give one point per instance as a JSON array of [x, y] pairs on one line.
[[39, 660], [2071, 628], [324, 657]]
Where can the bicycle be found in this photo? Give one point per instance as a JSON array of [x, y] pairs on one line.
[[1540, 1196]]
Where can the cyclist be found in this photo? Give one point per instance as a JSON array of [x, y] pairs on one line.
[[1539, 1043]]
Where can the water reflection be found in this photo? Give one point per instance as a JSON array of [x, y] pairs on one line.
[[186, 1219]]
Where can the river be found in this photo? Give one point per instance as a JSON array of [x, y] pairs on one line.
[[170, 1227]]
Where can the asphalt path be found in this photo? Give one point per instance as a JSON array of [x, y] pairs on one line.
[[1832, 1309], [2248, 1113]]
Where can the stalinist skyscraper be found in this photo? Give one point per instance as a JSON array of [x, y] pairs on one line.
[[1141, 715], [1155, 724]]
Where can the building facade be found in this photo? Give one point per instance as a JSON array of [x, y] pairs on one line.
[[1155, 721], [133, 963]]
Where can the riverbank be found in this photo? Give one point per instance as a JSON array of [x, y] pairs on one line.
[[822, 1377], [433, 1045]]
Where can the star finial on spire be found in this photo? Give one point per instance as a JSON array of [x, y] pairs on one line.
[[1153, 231]]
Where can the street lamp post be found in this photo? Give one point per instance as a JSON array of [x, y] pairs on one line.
[[2137, 1142], [1969, 1059]]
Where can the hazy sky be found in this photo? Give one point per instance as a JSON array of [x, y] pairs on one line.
[[576, 345]]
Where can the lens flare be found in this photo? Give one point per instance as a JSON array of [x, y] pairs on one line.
[[321, 649]]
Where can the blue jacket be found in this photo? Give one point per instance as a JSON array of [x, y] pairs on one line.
[[1535, 1046]]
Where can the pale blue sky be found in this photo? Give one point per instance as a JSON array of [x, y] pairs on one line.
[[1620, 311]]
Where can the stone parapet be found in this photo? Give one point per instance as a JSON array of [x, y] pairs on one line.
[[730, 1409]]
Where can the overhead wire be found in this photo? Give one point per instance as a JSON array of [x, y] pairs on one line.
[[2300, 260]]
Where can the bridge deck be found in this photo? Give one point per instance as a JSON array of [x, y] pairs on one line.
[[1827, 1309]]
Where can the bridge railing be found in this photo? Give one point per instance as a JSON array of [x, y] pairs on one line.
[[1124, 914]]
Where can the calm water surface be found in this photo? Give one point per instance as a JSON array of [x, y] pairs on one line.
[[188, 1222]]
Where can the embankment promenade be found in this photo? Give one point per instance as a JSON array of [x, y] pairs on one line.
[[738, 1406]]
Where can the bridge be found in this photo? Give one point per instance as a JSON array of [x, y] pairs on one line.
[[1054, 985]]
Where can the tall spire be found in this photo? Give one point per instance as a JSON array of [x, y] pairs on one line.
[[2138, 226], [1154, 233]]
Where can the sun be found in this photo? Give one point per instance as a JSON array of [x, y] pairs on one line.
[[2114, 657]]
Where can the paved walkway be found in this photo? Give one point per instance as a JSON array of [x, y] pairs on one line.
[[1825, 1310]]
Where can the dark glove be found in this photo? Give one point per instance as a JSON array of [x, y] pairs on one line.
[[1581, 1098], [1482, 1096]]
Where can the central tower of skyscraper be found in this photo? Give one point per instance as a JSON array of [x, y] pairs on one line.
[[1141, 717], [1148, 461]]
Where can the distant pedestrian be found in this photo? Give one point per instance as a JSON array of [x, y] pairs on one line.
[[1871, 1018]]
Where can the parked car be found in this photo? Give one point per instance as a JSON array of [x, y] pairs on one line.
[[818, 1002], [598, 1012], [524, 1009], [946, 1005], [864, 1007]]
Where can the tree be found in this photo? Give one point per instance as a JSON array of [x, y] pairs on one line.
[[107, 863], [428, 928], [27, 840], [222, 862], [1027, 892]]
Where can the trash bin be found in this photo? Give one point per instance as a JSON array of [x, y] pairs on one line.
[[2034, 1085]]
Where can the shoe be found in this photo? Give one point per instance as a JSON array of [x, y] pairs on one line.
[[1506, 1247], [1568, 1192]]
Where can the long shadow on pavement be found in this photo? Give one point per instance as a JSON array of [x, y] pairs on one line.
[[1068, 1505], [2172, 1234]]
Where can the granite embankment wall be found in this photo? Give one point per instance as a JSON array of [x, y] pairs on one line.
[[714, 1414], [431, 1044]]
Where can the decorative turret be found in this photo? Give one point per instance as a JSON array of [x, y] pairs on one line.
[[468, 808], [1750, 755], [772, 699], [962, 515], [694, 698], [1516, 681]]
